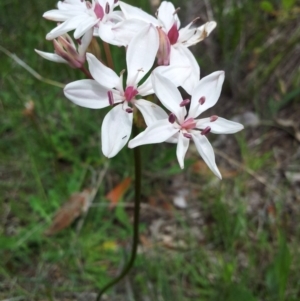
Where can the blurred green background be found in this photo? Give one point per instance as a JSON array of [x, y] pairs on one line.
[[234, 240]]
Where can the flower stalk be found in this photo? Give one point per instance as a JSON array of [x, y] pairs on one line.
[[137, 203]]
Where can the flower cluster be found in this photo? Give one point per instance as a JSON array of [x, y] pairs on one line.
[[158, 61]]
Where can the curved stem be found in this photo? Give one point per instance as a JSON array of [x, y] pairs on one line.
[[137, 201]]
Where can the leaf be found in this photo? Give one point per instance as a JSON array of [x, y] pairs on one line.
[[267, 6], [77, 204], [115, 195], [288, 4]]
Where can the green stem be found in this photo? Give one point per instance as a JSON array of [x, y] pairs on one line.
[[137, 201]]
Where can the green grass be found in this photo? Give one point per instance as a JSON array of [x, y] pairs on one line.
[[243, 243]]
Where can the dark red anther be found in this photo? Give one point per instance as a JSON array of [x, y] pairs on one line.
[[110, 98], [129, 110], [213, 118], [185, 102], [206, 131], [107, 8], [172, 118], [187, 135], [202, 100]]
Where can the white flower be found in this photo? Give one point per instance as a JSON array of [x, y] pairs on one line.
[[66, 52], [83, 16], [182, 126], [174, 42], [107, 89]]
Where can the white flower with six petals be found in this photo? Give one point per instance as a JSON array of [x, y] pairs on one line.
[[83, 16], [182, 126], [174, 42], [107, 89]]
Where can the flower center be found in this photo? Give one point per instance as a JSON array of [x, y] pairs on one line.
[[188, 124], [99, 11], [173, 34], [130, 93]]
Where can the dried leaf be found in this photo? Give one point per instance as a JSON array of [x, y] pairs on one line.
[[77, 204], [29, 108], [117, 193]]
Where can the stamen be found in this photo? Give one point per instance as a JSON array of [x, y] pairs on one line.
[[195, 20], [213, 118], [129, 110], [185, 102], [107, 8], [206, 131], [116, 1], [202, 100], [88, 4], [176, 10], [187, 135], [172, 118], [78, 41], [110, 98]]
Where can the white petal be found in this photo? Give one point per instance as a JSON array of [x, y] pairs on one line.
[[182, 146], [131, 12], [206, 152], [72, 5], [182, 56], [85, 41], [126, 30], [105, 76], [59, 15], [200, 33], [146, 87], [84, 26], [209, 87], [157, 132], [116, 131], [150, 111], [51, 56], [107, 35], [141, 54], [169, 95], [185, 34], [220, 126], [179, 74], [166, 15], [87, 93], [68, 25]]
